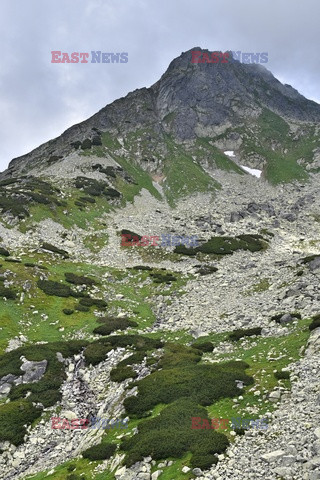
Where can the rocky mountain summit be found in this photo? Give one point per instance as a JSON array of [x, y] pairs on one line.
[[156, 339]]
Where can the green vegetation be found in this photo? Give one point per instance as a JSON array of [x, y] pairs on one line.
[[170, 435], [206, 151], [315, 322], [226, 245], [282, 375], [89, 302], [96, 352], [112, 324], [273, 142], [4, 252], [194, 179], [49, 287], [203, 346], [79, 279], [52, 248], [13, 417], [103, 451], [20, 411], [240, 333], [163, 278], [119, 374], [132, 359], [7, 293], [202, 383]]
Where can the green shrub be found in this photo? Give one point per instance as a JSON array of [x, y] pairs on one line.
[[12, 260], [8, 181], [315, 323], [169, 434], [49, 287], [137, 341], [47, 389], [133, 234], [103, 451], [282, 375], [4, 252], [73, 476], [114, 324], [68, 311], [240, 333], [90, 186], [119, 374], [52, 248], [82, 308], [225, 245], [207, 269], [86, 144], [112, 193], [96, 140], [179, 355], [162, 278], [137, 357], [96, 353], [87, 199], [109, 171], [183, 250], [202, 383], [13, 417], [29, 264], [204, 346], [309, 258], [78, 279], [14, 205], [8, 293], [199, 460], [142, 267], [38, 198], [89, 302]]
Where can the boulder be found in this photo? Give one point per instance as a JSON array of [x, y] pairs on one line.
[[34, 370], [273, 456]]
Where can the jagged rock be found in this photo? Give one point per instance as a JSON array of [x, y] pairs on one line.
[[286, 318], [197, 472], [314, 264], [156, 474], [5, 389], [34, 370], [274, 396], [273, 456], [185, 469]]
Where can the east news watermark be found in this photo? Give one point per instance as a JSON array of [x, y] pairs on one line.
[[198, 56], [94, 56]]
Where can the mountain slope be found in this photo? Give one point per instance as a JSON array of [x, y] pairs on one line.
[[233, 106]]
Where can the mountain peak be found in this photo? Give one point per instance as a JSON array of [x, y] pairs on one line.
[[216, 101]]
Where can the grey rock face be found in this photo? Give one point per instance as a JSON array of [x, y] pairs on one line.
[[34, 370], [314, 264], [286, 318]]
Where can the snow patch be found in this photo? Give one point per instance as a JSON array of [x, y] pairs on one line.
[[230, 153], [253, 171]]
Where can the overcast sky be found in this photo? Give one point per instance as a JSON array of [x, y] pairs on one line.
[[40, 99]]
